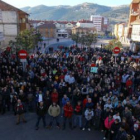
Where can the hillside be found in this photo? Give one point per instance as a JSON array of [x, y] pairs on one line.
[[77, 12]]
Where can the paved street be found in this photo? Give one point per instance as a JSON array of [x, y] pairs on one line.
[[10, 131], [68, 42]]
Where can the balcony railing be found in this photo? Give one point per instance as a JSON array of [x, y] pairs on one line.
[[134, 12]]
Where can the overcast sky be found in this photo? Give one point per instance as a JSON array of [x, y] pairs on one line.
[[23, 3]]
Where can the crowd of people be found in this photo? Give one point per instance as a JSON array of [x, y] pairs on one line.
[[61, 84]]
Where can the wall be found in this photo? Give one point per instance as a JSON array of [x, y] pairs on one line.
[[9, 26], [9, 17], [135, 33], [69, 25], [48, 33], [85, 25], [120, 30]]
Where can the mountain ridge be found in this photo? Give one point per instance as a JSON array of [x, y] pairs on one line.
[[81, 11]]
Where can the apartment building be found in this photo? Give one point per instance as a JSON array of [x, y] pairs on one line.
[[134, 25], [83, 30], [47, 30], [116, 30], [134, 18], [12, 22], [85, 24], [121, 32], [98, 22], [135, 35]]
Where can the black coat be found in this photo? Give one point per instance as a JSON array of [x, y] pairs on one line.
[[41, 111], [122, 135], [115, 127]]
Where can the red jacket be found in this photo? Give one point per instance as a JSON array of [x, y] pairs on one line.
[[84, 102], [54, 97], [108, 124], [61, 77], [68, 111], [129, 83]]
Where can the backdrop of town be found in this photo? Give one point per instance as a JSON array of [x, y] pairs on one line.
[[84, 23]]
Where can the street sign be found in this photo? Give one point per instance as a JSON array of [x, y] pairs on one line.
[[115, 55], [116, 50], [22, 54]]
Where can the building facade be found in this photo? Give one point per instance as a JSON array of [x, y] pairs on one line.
[[135, 35], [116, 31], [85, 24], [47, 30], [134, 16], [81, 31], [105, 24], [134, 25], [121, 32], [12, 22], [98, 22]]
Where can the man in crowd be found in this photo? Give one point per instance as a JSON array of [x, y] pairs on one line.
[[41, 113]]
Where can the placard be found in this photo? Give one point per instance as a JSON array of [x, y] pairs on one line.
[[94, 69]]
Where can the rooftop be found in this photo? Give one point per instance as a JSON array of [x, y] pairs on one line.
[[136, 1], [47, 25], [52, 21], [7, 7]]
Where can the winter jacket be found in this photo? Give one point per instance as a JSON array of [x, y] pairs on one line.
[[135, 133], [115, 127], [129, 83], [85, 102], [54, 111], [68, 111], [54, 97], [64, 101], [98, 113], [108, 123], [19, 109], [122, 135], [89, 114], [78, 110], [89, 105], [41, 111]]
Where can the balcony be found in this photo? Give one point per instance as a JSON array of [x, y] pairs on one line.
[[135, 37], [134, 13]]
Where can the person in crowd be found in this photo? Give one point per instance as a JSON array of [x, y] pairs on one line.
[[20, 112], [88, 119], [54, 96], [54, 112], [108, 123], [41, 113], [65, 99], [117, 116], [97, 117], [135, 131], [127, 114], [39, 97], [47, 99], [78, 115], [114, 129], [68, 113], [89, 104], [121, 135]]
